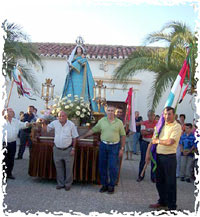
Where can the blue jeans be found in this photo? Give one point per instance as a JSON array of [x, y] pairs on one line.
[[136, 137], [108, 163]]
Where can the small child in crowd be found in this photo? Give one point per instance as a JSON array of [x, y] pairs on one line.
[[188, 147]]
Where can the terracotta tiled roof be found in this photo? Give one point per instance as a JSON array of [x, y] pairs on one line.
[[62, 50]]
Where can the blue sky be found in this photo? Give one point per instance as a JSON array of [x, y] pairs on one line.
[[114, 22]]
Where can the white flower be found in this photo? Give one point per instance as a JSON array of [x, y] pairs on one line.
[[53, 111], [82, 115], [78, 113], [81, 97], [55, 100], [69, 95], [58, 109], [69, 101], [71, 104], [82, 104], [78, 107], [66, 106], [88, 113], [75, 96], [83, 110], [55, 105], [87, 124]]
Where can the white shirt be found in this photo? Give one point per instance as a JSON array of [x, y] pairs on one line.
[[63, 134], [12, 129]]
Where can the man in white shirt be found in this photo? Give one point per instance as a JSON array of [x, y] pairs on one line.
[[11, 129], [63, 150]]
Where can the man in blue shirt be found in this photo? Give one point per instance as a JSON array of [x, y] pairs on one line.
[[25, 134], [188, 146]]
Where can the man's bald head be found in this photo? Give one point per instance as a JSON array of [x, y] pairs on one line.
[[62, 117]]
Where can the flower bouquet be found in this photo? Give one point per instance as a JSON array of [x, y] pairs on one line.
[[76, 109]]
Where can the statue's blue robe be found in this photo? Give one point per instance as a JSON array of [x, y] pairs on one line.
[[79, 81]]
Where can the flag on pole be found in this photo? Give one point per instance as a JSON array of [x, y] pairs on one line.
[[172, 101], [177, 87], [130, 111], [17, 76]]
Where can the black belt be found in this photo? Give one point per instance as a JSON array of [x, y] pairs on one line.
[[9, 142], [167, 155], [4, 143], [64, 148]]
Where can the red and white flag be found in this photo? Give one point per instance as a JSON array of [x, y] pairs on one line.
[[130, 111], [17, 77]]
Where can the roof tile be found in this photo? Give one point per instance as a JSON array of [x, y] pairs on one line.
[[93, 51]]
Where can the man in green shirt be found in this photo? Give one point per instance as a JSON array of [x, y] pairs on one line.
[[112, 131]]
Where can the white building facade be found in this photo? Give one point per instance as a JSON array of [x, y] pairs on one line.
[[103, 60]]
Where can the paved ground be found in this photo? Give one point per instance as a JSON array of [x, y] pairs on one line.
[[29, 194]]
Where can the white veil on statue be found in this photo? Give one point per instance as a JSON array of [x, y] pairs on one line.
[[79, 43]]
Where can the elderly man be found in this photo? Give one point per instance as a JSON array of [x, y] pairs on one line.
[[167, 143], [111, 129], [63, 150], [12, 127], [147, 129]]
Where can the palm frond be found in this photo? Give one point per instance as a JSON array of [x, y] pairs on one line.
[[17, 49], [165, 63], [157, 36], [14, 32], [28, 75], [161, 83], [141, 59]]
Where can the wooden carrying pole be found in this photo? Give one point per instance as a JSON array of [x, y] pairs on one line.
[[10, 93], [146, 164], [143, 171]]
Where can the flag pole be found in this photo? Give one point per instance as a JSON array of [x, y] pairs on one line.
[[10, 93], [144, 169]]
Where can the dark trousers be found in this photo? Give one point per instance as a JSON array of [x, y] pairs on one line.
[[166, 180], [143, 150], [153, 174], [24, 138], [9, 157], [108, 163]]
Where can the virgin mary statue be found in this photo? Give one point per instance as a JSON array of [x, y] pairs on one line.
[[79, 80]]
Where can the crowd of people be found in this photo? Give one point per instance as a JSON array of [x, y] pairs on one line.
[[176, 146]]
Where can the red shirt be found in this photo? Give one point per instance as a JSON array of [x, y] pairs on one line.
[[148, 125]]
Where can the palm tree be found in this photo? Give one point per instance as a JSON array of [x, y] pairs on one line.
[[17, 49], [165, 63]]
